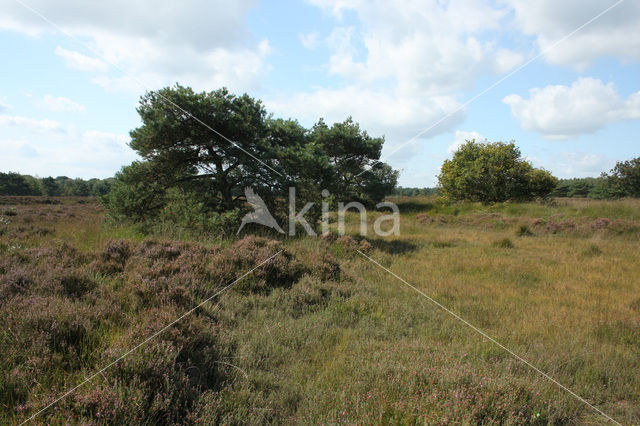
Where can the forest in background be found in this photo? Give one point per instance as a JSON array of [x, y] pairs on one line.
[[18, 184]]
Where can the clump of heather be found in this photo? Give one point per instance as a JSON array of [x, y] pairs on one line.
[[281, 270], [71, 312], [161, 381], [112, 258]]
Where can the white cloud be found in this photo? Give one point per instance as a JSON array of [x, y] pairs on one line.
[[560, 112], [61, 104], [66, 152], [506, 60], [19, 148], [379, 112], [309, 41], [78, 61], [30, 124], [27, 151], [109, 140], [403, 66], [460, 137], [200, 43], [616, 33], [580, 164], [414, 46], [4, 107]]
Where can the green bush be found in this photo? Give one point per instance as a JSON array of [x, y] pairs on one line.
[[503, 243], [492, 172], [524, 231], [624, 180]]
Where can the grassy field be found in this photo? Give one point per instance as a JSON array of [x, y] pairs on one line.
[[319, 333]]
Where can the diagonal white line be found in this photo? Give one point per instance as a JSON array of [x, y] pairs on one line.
[[148, 339], [164, 98], [492, 340], [494, 85]]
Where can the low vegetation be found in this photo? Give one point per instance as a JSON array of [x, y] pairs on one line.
[[319, 334]]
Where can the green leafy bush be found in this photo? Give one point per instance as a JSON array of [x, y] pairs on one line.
[[492, 172], [504, 243]]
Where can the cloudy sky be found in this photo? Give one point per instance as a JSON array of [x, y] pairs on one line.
[[425, 74]]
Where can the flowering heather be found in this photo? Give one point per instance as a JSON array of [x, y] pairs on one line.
[[318, 334], [68, 312]]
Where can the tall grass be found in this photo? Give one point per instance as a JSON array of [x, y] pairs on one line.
[[322, 335]]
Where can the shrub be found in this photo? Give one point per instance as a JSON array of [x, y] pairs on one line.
[[280, 271], [554, 227], [592, 250], [185, 210], [308, 295], [54, 333], [162, 380], [524, 231], [442, 244], [113, 258], [136, 194], [600, 223], [624, 180], [76, 284], [63, 325], [427, 220], [18, 280], [492, 172], [503, 243]]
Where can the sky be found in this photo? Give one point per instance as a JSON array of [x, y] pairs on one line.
[[560, 78]]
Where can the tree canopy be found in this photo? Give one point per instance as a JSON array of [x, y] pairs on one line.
[[492, 172], [210, 146], [624, 179]]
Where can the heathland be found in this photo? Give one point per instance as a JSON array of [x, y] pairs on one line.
[[319, 333]]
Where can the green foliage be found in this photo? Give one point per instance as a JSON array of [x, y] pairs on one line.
[[540, 184], [415, 192], [492, 172], [182, 155], [503, 243], [350, 152], [190, 155], [187, 212], [624, 180], [378, 181], [137, 193], [50, 187], [581, 188], [17, 184], [524, 231]]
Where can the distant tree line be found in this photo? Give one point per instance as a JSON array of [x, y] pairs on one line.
[[589, 187], [622, 181], [415, 192], [18, 184]]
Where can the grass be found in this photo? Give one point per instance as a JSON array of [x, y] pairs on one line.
[[322, 335]]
